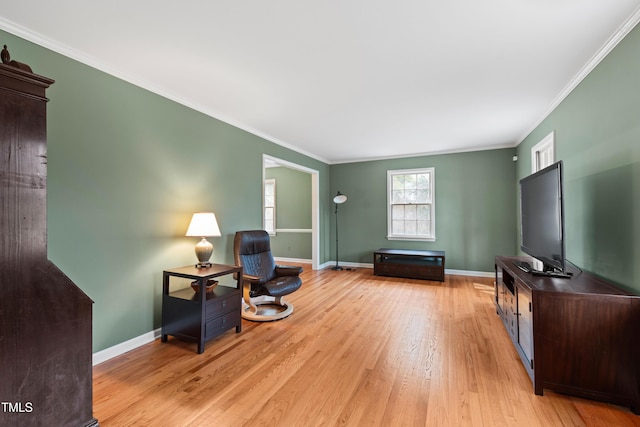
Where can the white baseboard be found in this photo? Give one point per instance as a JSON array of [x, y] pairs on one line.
[[330, 264], [294, 260], [123, 347], [470, 273]]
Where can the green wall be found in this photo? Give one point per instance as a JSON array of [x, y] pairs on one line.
[[293, 211], [126, 169], [598, 138], [475, 208]]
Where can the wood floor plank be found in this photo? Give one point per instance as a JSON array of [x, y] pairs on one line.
[[359, 350]]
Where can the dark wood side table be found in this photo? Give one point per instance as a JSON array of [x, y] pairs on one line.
[[200, 316]]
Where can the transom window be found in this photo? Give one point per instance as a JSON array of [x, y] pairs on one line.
[[543, 153], [411, 211], [270, 206]]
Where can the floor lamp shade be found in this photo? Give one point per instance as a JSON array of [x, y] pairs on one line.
[[339, 198], [203, 224]]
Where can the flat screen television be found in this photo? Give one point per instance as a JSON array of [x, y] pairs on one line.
[[542, 217]]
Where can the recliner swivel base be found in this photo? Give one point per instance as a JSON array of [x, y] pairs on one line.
[[266, 309]]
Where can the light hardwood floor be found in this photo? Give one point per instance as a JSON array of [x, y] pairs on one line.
[[359, 350]]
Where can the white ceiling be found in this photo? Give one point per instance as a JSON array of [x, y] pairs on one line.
[[344, 80]]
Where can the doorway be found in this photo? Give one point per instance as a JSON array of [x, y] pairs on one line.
[[269, 161]]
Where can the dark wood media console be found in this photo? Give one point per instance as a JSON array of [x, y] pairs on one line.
[[578, 336], [413, 264]]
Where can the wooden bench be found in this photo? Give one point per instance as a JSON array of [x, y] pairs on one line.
[[413, 264]]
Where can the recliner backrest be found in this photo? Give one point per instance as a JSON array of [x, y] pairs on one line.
[[252, 250]]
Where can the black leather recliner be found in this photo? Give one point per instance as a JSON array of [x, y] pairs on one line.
[[264, 283]]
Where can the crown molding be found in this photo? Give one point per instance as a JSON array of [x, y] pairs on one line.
[[92, 62], [609, 45], [65, 50], [425, 154]]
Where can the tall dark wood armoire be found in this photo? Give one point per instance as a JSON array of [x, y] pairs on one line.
[[45, 319]]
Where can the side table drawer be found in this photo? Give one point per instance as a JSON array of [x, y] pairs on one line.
[[220, 324], [221, 305]]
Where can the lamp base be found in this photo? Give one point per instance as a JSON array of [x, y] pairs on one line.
[[204, 249], [337, 268]]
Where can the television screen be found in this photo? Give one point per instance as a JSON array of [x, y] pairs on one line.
[[542, 217]]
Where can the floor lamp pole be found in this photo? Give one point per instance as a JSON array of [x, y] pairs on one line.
[[338, 199], [337, 267]]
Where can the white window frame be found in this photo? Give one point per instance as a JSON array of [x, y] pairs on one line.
[[267, 206], [431, 236], [543, 154]]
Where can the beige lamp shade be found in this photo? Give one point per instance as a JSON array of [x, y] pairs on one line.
[[203, 224]]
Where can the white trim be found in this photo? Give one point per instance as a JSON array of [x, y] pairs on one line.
[[90, 61], [294, 230], [432, 187], [470, 273], [326, 264], [65, 50], [270, 160], [315, 202], [609, 45], [329, 264], [412, 239], [332, 263], [426, 153], [123, 347], [294, 260]]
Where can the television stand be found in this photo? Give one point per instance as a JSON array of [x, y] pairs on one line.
[[577, 336]]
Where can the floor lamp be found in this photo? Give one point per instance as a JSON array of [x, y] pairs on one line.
[[338, 200]]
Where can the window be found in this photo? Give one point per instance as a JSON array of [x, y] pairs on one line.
[[270, 206], [543, 153], [411, 207]]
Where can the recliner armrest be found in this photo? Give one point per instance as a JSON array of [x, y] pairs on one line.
[[257, 280], [288, 270]]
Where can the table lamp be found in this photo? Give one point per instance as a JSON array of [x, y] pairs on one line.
[[203, 224]]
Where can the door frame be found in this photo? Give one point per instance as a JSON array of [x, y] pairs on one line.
[[315, 201]]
